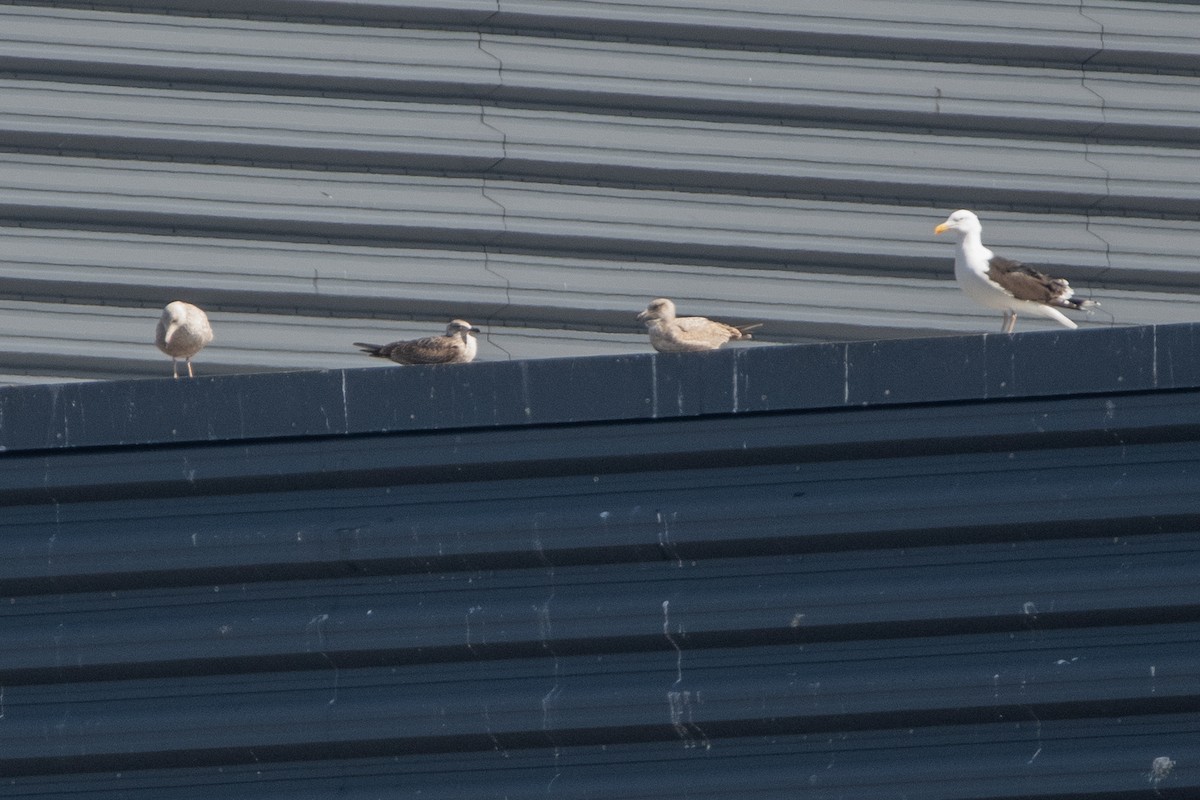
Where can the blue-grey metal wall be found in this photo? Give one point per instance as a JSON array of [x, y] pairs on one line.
[[943, 568], [317, 173]]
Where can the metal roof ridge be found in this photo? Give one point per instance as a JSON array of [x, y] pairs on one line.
[[737, 380]]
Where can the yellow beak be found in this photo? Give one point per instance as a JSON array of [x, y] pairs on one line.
[[941, 228]]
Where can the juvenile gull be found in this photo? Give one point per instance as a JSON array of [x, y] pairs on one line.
[[182, 331], [1004, 284], [458, 346], [671, 334]]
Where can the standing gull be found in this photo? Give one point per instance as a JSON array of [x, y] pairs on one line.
[[182, 331], [671, 334], [458, 346], [1004, 284]]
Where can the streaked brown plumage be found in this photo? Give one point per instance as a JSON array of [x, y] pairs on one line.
[[457, 346], [672, 334]]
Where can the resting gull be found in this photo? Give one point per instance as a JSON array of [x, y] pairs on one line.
[[458, 346], [671, 334], [182, 331], [1004, 284]]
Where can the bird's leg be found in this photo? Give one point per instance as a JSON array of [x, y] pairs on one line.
[[175, 368], [1010, 321], [190, 373]]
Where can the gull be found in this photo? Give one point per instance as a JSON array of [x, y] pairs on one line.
[[182, 331], [671, 334], [457, 346], [1004, 284]]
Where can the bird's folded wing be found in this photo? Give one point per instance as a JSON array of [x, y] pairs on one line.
[[1026, 283], [430, 350]]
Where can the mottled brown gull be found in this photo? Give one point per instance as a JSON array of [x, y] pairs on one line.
[[182, 331], [672, 334], [457, 346], [1004, 284]]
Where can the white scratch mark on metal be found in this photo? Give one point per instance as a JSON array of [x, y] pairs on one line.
[[845, 374], [471, 611], [680, 701], [316, 625], [664, 536], [1154, 356], [654, 388], [735, 381], [1160, 768], [666, 607], [345, 405]]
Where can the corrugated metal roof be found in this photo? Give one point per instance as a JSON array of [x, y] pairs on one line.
[[950, 568], [324, 167]]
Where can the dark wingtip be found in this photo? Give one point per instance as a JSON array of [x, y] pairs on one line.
[[369, 349]]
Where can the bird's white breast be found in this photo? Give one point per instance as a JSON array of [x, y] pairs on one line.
[[970, 270]]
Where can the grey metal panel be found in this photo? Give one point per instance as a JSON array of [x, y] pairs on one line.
[[419, 618], [882, 27], [947, 97], [548, 218], [1141, 35], [528, 144], [965, 599], [1110, 33], [400, 513], [243, 54], [247, 128], [424, 706], [774, 766], [574, 73], [754, 168]]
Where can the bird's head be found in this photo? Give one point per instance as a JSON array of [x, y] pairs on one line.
[[174, 314], [460, 327], [660, 309], [961, 222]]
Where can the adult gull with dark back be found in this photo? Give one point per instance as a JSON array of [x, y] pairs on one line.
[[1004, 284]]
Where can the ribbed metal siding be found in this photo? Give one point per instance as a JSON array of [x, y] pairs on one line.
[[949, 568], [324, 172]]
